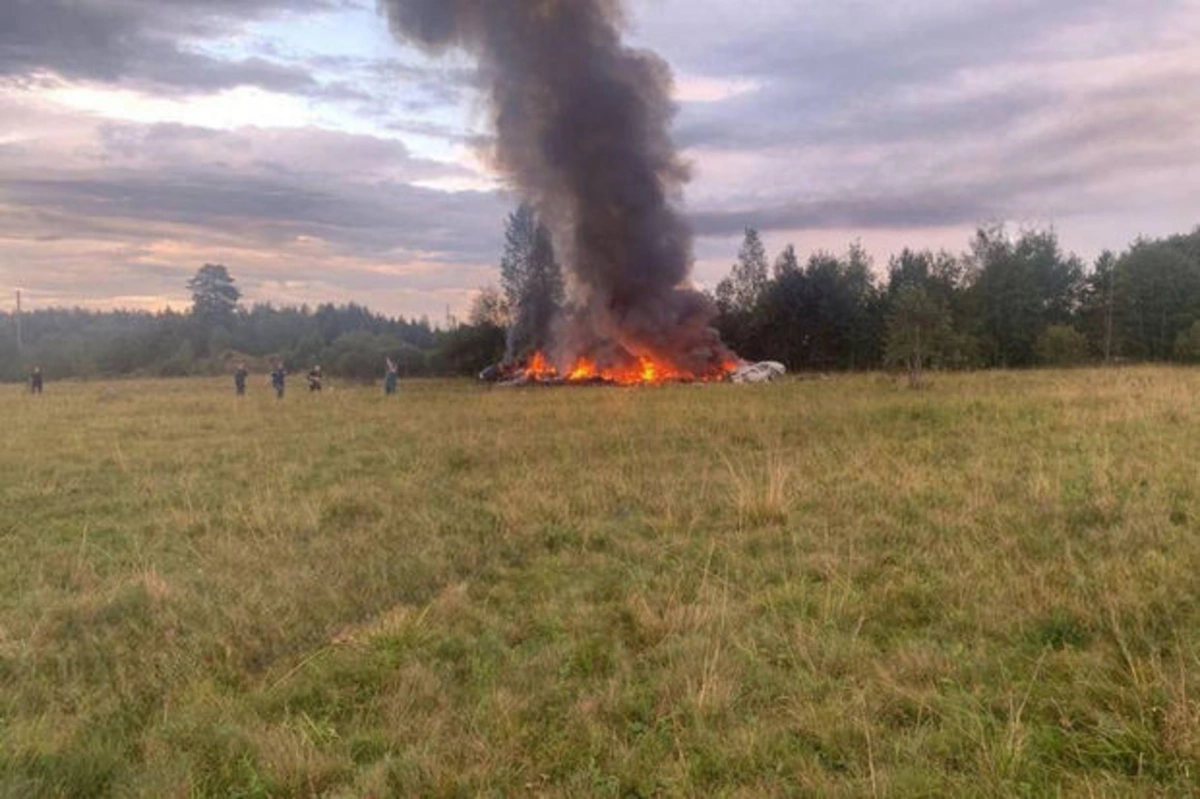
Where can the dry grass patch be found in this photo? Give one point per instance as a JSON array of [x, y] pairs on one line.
[[834, 588]]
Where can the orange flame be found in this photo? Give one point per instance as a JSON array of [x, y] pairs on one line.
[[584, 370], [540, 369], [645, 371]]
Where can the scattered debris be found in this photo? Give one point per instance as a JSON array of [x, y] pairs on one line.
[[762, 372]]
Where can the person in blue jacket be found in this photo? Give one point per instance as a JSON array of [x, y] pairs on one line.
[[239, 379], [278, 377]]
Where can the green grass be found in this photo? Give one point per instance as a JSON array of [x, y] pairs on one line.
[[835, 588]]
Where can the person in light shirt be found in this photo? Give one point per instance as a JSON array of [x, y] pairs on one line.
[[391, 378]]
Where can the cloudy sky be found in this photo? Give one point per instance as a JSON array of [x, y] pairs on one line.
[[296, 142]]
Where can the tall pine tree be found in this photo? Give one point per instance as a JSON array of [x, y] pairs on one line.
[[532, 281]]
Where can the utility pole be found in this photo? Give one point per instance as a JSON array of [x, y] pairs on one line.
[[1108, 321], [20, 340]]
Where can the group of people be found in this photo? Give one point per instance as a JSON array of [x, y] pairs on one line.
[[314, 377], [278, 379], [391, 379]]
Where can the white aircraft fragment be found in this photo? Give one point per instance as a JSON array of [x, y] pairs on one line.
[[763, 372]]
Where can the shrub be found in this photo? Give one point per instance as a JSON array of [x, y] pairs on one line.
[[1187, 345], [1061, 345]]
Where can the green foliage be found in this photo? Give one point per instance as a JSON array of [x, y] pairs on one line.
[[214, 293], [532, 281], [961, 351], [349, 341], [361, 355], [1020, 287], [1187, 345], [220, 340], [787, 263], [181, 363], [1062, 345], [490, 307], [1157, 297], [824, 316], [917, 332], [469, 350], [1002, 298], [831, 312], [1097, 316], [941, 275], [744, 287]]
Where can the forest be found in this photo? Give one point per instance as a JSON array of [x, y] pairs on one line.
[[1010, 300]]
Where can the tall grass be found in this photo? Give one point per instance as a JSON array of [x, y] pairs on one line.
[[834, 588]]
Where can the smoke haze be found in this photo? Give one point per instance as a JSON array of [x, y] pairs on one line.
[[583, 133]]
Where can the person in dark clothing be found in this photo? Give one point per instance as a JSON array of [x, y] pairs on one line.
[[391, 378], [239, 379], [314, 379], [35, 380], [278, 377]]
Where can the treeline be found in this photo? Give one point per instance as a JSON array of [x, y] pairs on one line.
[[1009, 301], [348, 341]]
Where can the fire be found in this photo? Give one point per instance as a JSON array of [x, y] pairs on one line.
[[644, 371], [584, 370], [540, 369]]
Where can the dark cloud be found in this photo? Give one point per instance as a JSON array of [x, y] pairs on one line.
[[269, 212], [144, 43], [946, 114], [304, 215], [266, 187], [856, 51], [1060, 169], [931, 209], [818, 85], [1065, 172]]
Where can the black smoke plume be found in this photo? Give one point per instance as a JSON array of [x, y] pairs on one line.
[[583, 134]]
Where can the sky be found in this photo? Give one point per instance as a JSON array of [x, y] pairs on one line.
[[299, 144]]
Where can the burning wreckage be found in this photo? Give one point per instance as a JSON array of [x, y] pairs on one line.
[[582, 133], [644, 371]]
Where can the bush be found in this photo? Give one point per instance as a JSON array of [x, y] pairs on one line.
[[1061, 345], [181, 363], [468, 350], [361, 356], [961, 351], [1187, 345]]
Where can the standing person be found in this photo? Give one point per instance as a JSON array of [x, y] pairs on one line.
[[239, 379], [35, 381], [278, 376], [314, 379], [391, 378]]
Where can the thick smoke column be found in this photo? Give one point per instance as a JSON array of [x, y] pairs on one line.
[[582, 127]]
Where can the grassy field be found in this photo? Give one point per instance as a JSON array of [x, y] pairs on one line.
[[834, 588]]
